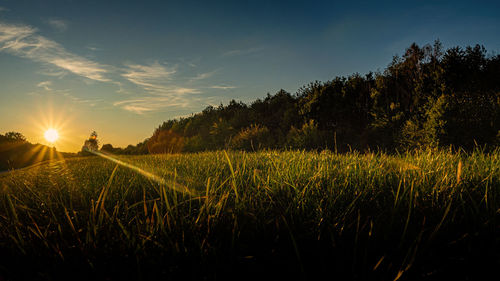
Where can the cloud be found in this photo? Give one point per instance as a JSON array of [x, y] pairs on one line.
[[222, 87], [202, 76], [62, 92], [160, 91], [45, 85], [240, 52], [3, 9], [152, 103], [151, 77], [23, 41], [90, 102], [168, 98], [58, 24], [92, 48], [179, 98], [181, 91]]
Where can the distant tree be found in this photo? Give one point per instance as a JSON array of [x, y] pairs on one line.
[[463, 121], [307, 137], [426, 97], [252, 138], [142, 147], [13, 137], [413, 135], [92, 144], [129, 150], [221, 132], [165, 141], [107, 147], [194, 144]]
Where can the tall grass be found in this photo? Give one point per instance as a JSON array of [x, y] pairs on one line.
[[419, 215]]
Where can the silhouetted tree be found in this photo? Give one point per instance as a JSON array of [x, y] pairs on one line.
[[426, 97], [91, 144], [107, 147], [252, 138], [165, 141], [13, 137]]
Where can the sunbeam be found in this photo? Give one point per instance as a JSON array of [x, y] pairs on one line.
[[175, 186]]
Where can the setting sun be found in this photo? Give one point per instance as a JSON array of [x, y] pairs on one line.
[[51, 135]]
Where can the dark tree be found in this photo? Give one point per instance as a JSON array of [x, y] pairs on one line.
[[428, 97], [107, 147], [14, 137], [91, 144]]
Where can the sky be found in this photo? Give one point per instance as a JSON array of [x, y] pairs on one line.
[[121, 68]]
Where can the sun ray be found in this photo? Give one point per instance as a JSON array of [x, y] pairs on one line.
[[30, 154], [176, 186], [40, 156], [59, 156], [51, 153]]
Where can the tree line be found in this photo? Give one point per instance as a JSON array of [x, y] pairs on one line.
[[92, 144], [428, 97]]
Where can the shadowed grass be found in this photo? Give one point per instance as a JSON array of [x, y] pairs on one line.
[[419, 215]]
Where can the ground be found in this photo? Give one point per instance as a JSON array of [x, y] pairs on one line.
[[422, 215]]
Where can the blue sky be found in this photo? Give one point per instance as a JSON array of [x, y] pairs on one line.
[[123, 67]]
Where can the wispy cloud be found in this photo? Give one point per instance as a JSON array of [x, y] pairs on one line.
[[152, 103], [90, 102], [64, 93], [3, 9], [158, 100], [151, 77], [58, 24], [160, 89], [45, 85], [23, 41], [202, 76], [92, 48], [239, 52], [50, 70], [222, 87], [182, 90], [158, 86]]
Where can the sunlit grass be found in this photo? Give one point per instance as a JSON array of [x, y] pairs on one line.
[[294, 213]]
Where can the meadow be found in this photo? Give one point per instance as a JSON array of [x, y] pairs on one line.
[[425, 215]]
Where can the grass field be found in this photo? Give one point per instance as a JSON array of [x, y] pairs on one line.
[[217, 215]]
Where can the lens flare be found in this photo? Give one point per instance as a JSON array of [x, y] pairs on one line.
[[174, 185]]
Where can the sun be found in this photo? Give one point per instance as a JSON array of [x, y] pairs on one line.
[[51, 135]]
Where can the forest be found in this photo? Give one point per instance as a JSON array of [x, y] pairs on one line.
[[427, 98]]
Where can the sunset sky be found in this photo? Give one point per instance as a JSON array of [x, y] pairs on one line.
[[121, 68]]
